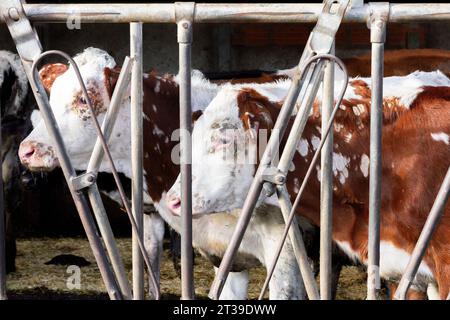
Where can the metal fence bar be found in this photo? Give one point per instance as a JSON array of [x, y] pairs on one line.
[[320, 41], [108, 238], [256, 186], [69, 173], [184, 13], [326, 131], [137, 147], [93, 192], [378, 19], [2, 232], [298, 246], [326, 185], [226, 13], [424, 239]]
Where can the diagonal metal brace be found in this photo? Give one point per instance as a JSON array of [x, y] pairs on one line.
[[322, 36]]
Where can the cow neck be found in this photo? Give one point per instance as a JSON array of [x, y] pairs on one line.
[[161, 119]]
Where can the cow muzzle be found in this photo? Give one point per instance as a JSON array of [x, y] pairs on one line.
[[174, 204], [37, 156]]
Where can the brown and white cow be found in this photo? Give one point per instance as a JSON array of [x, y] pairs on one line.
[[161, 122], [416, 155], [396, 63]]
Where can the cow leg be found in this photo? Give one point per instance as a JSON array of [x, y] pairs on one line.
[[11, 197], [236, 286], [286, 282], [336, 268], [153, 242], [175, 250]]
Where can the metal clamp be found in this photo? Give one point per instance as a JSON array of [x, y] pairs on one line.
[[82, 181], [23, 34], [273, 175], [322, 36], [377, 21], [184, 16]]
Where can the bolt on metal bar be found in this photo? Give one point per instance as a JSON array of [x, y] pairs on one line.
[[326, 185], [184, 14], [2, 231], [226, 12], [69, 172], [291, 215], [379, 13], [320, 41], [137, 182], [430, 226]]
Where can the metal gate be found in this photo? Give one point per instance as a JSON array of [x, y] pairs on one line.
[[316, 66]]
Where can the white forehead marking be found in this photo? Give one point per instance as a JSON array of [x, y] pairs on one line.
[[440, 136], [364, 165], [303, 147]]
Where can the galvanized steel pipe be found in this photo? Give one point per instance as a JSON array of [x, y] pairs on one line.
[[226, 12], [137, 147]]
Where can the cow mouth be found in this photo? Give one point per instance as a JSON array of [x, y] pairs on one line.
[[174, 205], [42, 168]]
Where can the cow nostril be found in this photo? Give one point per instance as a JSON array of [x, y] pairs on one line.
[[176, 203], [28, 154], [26, 151]]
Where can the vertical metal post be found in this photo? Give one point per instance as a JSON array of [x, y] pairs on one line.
[[137, 185], [326, 186], [425, 236], [184, 15], [379, 14], [2, 232]]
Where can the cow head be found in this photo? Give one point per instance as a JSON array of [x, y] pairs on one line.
[[72, 114], [224, 151]]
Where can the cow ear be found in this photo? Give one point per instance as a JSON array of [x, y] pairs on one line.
[[111, 76], [254, 111], [50, 72], [196, 114]]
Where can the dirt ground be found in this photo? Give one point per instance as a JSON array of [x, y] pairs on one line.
[[34, 279]]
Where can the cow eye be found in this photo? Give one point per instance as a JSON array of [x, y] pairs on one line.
[[82, 100]]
